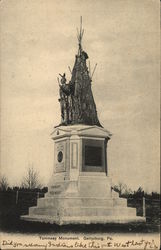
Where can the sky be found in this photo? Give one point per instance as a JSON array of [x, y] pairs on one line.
[[39, 41]]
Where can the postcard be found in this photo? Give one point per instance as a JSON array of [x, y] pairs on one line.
[[80, 119]]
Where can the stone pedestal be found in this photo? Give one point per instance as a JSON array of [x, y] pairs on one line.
[[80, 188]]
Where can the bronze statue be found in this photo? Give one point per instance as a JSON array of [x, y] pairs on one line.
[[76, 98]]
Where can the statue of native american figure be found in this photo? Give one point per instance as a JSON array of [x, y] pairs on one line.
[[76, 98]]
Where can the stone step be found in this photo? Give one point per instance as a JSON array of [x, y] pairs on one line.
[[101, 219], [57, 189], [70, 202], [119, 202], [88, 202], [99, 211], [84, 219], [77, 201], [83, 211], [42, 211], [115, 194]]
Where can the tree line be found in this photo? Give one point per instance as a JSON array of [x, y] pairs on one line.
[[31, 181], [126, 192]]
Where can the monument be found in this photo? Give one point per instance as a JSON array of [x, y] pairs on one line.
[[80, 190]]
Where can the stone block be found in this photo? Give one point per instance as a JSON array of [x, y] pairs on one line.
[[76, 195]]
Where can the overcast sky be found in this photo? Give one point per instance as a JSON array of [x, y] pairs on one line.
[[38, 41]]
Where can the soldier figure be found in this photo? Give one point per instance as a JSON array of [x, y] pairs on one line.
[[62, 85], [63, 99]]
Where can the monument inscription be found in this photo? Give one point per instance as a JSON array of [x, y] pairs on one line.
[[93, 156], [60, 152]]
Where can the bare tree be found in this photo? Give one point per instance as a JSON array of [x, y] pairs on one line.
[[139, 192], [128, 191], [31, 179], [120, 188], [3, 183]]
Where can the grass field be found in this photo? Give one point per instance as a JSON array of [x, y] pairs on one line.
[[10, 216]]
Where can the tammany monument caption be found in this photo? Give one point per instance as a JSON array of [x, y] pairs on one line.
[[79, 191]]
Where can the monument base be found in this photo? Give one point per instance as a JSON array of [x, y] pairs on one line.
[[88, 200], [80, 189]]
